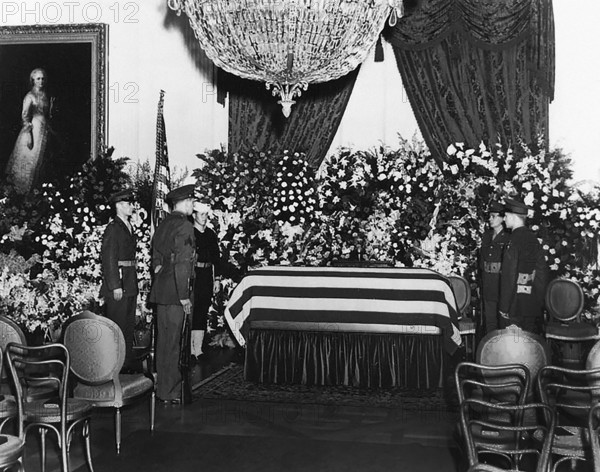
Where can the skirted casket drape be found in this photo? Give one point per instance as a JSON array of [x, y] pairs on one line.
[[256, 121], [477, 70]]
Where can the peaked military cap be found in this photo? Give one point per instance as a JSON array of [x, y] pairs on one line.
[[122, 196], [515, 206], [181, 193], [496, 207]]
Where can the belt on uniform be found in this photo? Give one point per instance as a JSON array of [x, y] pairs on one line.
[[204, 265], [126, 263], [492, 267]]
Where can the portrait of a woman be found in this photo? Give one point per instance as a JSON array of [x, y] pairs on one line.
[[31, 150]]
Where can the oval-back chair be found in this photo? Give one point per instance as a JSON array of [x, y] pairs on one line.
[[514, 346], [97, 348], [462, 293], [9, 333], [564, 304], [467, 327]]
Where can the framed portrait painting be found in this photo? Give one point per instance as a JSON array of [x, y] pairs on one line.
[[52, 100]]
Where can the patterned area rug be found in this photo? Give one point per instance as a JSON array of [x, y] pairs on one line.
[[229, 384]]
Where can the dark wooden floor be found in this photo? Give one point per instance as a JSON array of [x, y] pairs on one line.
[[233, 435]]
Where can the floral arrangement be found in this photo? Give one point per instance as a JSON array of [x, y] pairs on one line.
[[44, 300], [259, 209], [393, 206], [63, 276], [293, 197], [398, 206], [140, 222]]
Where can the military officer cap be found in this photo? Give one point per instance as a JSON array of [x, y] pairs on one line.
[[515, 206], [122, 196], [181, 193], [496, 207]]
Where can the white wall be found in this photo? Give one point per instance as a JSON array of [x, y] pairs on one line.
[[378, 109], [155, 57], [575, 112]]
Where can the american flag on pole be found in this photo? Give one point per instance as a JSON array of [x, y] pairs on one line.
[[162, 174]]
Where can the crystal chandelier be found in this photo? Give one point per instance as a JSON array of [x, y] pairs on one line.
[[288, 44]]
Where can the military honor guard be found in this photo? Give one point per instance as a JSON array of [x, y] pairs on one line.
[[207, 279], [524, 273], [173, 260], [493, 243], [119, 276]]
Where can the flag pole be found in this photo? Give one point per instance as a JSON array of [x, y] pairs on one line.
[[160, 188]]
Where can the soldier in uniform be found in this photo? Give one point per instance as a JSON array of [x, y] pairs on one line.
[[524, 273], [173, 257], [207, 275], [493, 242], [119, 276]]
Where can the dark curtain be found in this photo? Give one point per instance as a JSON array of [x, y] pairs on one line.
[[256, 121], [477, 70]]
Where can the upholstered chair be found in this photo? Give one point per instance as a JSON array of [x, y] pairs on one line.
[[10, 332], [514, 346], [564, 328], [466, 324], [97, 349]]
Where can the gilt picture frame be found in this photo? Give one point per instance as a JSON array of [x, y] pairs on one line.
[[74, 59]]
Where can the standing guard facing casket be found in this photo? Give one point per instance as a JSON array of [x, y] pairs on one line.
[[524, 273], [173, 257], [119, 276], [207, 282], [493, 243]]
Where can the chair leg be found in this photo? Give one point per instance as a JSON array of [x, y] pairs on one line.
[[152, 410], [43, 446], [88, 445], [69, 439], [64, 450], [118, 429]]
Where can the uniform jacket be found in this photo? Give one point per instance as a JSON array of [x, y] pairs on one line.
[[524, 271], [490, 263], [207, 248], [173, 250], [118, 244]]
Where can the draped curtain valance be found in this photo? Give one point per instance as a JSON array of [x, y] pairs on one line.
[[489, 21], [488, 24], [477, 69]]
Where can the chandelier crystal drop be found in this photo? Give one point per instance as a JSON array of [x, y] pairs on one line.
[[288, 44]]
